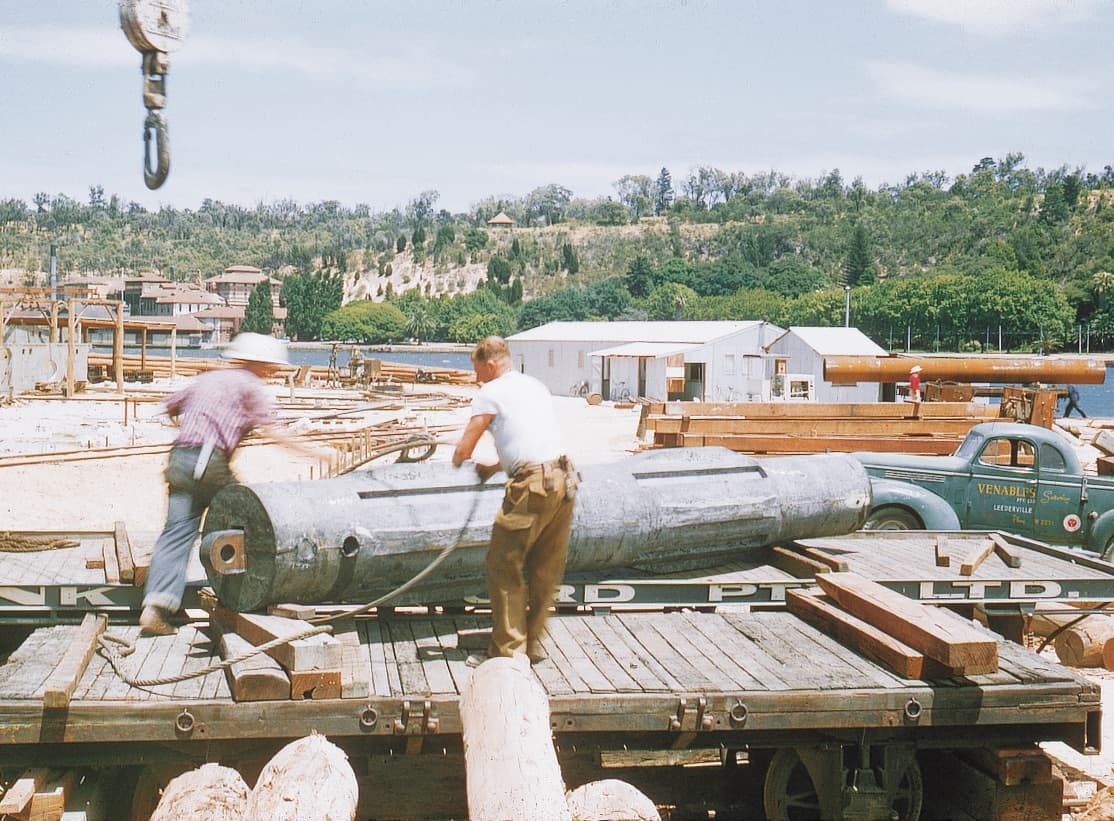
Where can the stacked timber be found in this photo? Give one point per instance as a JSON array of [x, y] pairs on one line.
[[815, 427], [159, 367], [914, 640]]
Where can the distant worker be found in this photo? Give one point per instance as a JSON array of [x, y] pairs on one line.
[[1073, 402], [214, 413], [915, 383], [529, 540]]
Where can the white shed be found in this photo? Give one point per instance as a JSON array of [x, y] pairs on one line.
[[708, 361], [796, 363]]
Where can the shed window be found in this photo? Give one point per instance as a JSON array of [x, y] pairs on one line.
[[729, 364], [580, 359], [552, 357]]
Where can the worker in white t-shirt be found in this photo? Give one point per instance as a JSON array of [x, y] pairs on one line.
[[529, 540]]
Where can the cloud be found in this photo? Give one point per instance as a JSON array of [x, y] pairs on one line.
[[983, 94], [415, 65], [66, 46], [997, 16]]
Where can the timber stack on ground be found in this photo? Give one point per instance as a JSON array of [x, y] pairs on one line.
[[815, 427]]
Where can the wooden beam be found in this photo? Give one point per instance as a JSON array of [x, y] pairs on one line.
[[1005, 551], [795, 564], [832, 562], [259, 678], [942, 557], [976, 557], [937, 633], [320, 652], [17, 800], [49, 803], [821, 613], [65, 677], [124, 557], [108, 562]]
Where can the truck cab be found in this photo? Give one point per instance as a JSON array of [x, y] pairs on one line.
[[1012, 477]]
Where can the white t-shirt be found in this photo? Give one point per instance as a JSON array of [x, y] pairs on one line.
[[525, 425]]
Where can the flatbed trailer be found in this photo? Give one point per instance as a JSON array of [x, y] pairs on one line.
[[774, 705]]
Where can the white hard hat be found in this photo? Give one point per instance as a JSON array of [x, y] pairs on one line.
[[249, 347], [915, 369]]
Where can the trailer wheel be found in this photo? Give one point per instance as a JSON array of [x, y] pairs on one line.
[[1108, 551], [892, 518], [789, 794]]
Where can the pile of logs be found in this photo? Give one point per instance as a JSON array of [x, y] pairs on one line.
[[815, 427]]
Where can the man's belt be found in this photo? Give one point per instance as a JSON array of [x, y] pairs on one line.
[[525, 469]]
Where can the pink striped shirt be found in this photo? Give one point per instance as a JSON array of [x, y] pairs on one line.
[[222, 406]]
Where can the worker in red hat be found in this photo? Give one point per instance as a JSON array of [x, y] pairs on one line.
[[915, 383]]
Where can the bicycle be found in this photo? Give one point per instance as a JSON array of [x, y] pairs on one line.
[[579, 389], [620, 392]]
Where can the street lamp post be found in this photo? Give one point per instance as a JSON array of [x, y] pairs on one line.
[[846, 306]]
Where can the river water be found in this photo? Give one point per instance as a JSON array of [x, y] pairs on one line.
[[1096, 400]]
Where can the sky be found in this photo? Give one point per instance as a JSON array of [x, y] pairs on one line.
[[373, 102]]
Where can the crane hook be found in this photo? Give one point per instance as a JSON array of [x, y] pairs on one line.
[[154, 130]]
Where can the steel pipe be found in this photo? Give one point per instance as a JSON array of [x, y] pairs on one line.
[[359, 536], [1012, 369]]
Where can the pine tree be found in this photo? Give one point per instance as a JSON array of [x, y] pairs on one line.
[[859, 268], [663, 198], [259, 315]]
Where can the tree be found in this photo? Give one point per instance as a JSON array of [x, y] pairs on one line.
[[499, 269], [419, 322], [670, 301], [859, 267], [365, 321], [636, 192], [259, 315], [663, 194], [640, 277], [569, 261], [307, 299], [400, 244]]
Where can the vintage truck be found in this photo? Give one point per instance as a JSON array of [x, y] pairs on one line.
[[1017, 478]]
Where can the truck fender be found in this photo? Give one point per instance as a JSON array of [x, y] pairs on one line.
[[1102, 532], [936, 513]]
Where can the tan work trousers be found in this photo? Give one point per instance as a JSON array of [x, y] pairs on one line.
[[526, 558]]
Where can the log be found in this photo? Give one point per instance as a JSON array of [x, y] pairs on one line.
[[610, 800], [308, 778], [209, 793], [510, 763], [1083, 645]]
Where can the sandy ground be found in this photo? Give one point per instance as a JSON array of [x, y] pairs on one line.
[[93, 494]]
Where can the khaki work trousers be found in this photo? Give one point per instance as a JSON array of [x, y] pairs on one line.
[[526, 558]]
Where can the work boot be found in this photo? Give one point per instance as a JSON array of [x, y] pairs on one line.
[[536, 652], [154, 623]]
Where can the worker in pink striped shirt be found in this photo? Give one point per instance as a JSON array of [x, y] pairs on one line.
[[214, 412]]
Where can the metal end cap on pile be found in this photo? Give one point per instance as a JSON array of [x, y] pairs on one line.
[[251, 347]]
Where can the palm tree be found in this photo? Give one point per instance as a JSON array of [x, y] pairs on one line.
[[419, 324]]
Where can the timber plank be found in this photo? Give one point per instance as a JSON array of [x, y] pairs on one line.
[[567, 677], [380, 681], [111, 564], [117, 688], [410, 667], [17, 800], [636, 660], [548, 672], [601, 656], [65, 677], [615, 654], [259, 678], [202, 652], [174, 651], [433, 657], [393, 676], [685, 669], [446, 632], [738, 656], [31, 664], [122, 545], [807, 662], [355, 681], [579, 661], [936, 633], [862, 637]]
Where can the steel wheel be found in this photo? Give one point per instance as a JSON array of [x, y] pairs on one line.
[[892, 518], [789, 794]]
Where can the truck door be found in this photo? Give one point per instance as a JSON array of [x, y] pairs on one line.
[[1063, 515], [1002, 493]]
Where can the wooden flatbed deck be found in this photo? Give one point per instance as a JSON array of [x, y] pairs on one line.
[[691, 679]]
